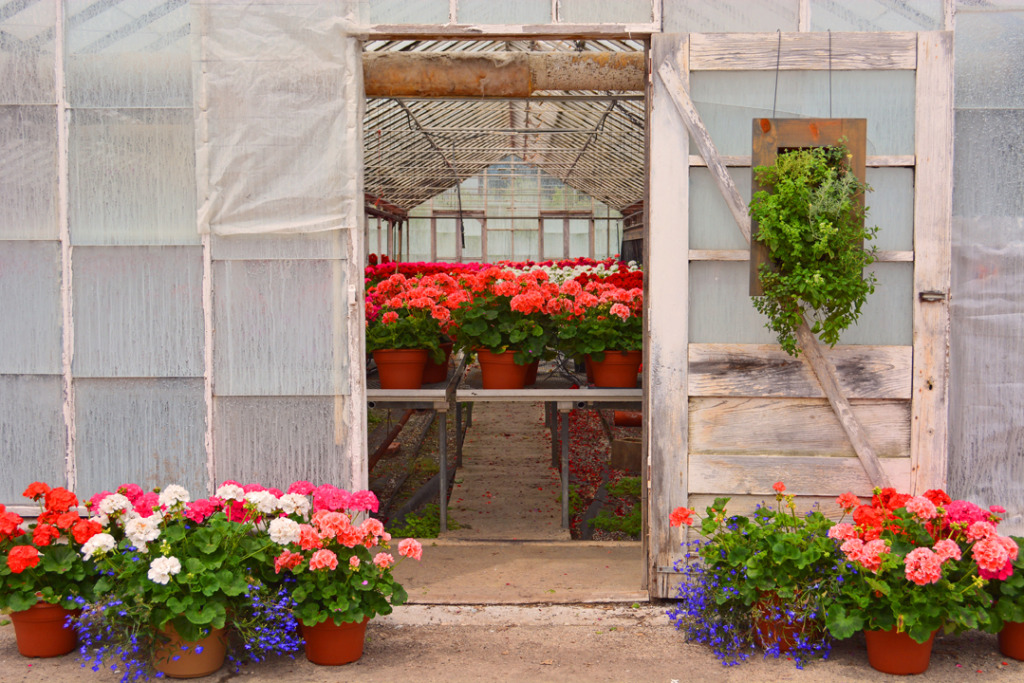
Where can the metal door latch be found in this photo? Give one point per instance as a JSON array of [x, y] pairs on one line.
[[932, 296]]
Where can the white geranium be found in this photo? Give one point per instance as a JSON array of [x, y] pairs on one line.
[[143, 530], [231, 492], [173, 495], [114, 503], [265, 501], [162, 568], [292, 503], [99, 543], [284, 531]]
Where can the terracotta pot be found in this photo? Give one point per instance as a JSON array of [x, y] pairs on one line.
[[772, 627], [531, 373], [628, 418], [437, 372], [178, 658], [589, 367], [330, 645], [618, 369], [1011, 639], [897, 653], [42, 630], [500, 371], [400, 368]]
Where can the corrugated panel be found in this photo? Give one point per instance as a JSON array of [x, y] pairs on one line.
[[876, 15], [30, 309], [721, 309], [276, 441], [318, 245], [147, 431], [132, 178], [280, 328], [711, 223], [138, 311], [605, 11], [729, 101], [989, 58], [32, 433], [26, 53], [732, 16], [136, 56], [491, 12], [28, 174]]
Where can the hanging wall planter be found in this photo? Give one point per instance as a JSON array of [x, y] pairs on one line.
[[807, 226]]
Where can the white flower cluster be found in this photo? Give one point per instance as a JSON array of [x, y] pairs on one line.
[[174, 494], [143, 530], [264, 501], [231, 492], [294, 503], [100, 543], [162, 568], [284, 531]]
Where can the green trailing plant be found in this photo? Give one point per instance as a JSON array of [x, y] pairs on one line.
[[626, 489], [811, 220], [425, 524]]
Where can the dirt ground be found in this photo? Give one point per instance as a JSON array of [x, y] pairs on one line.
[[591, 644]]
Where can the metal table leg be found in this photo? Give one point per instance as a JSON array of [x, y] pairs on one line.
[[552, 412], [565, 470], [442, 431], [458, 434]]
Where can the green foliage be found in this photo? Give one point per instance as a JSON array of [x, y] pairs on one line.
[[598, 331], [812, 224], [627, 489], [487, 321], [414, 328], [426, 524]]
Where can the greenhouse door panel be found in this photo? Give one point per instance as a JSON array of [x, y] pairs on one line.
[[728, 412]]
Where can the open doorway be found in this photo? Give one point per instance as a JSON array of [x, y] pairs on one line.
[[550, 175]]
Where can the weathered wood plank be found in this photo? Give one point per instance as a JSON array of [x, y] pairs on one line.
[[666, 293], [887, 161], [802, 51], [803, 475], [680, 97], [798, 426], [855, 431], [765, 370], [933, 212]]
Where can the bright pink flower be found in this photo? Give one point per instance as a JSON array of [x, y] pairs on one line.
[[620, 310], [947, 549], [329, 497], [998, 509], [779, 487], [131, 491], [871, 556], [303, 488], [286, 560], [853, 548], [323, 559], [922, 508], [329, 523], [923, 566], [353, 563], [990, 554], [980, 530], [199, 510], [848, 501], [147, 503], [364, 500], [372, 527], [383, 560], [843, 531], [410, 547], [95, 501]]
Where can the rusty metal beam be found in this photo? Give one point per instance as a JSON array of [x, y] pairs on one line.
[[499, 75]]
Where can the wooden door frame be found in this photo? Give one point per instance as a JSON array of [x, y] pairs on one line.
[[668, 354]]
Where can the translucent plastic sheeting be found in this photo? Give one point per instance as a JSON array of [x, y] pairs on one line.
[[146, 431], [403, 11], [876, 15], [28, 174], [491, 12], [321, 245], [721, 310], [701, 16], [138, 312], [989, 58], [32, 433], [729, 101], [986, 459], [132, 177], [278, 440], [30, 310], [279, 326], [989, 153], [27, 53], [605, 11], [273, 81]]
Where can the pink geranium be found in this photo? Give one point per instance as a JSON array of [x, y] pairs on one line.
[[323, 559], [923, 566], [410, 547], [383, 560]]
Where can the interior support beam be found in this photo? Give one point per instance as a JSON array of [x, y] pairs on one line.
[[499, 75]]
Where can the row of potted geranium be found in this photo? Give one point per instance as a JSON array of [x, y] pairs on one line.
[[511, 318], [901, 569], [158, 584]]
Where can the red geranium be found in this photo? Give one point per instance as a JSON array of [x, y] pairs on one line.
[[60, 500], [22, 557], [35, 490], [44, 534]]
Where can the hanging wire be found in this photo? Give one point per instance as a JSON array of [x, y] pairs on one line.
[[830, 73], [778, 60]]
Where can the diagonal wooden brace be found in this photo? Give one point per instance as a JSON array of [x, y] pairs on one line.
[[810, 345]]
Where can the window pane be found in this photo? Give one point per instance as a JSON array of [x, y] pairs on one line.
[[876, 15], [554, 247], [474, 231], [30, 308], [28, 174], [701, 16], [32, 432], [579, 237], [499, 245], [26, 53], [491, 12], [446, 235], [605, 11]]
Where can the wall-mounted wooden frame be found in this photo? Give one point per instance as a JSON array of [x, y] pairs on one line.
[[772, 136]]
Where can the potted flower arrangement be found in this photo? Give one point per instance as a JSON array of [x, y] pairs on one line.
[[763, 579], [505, 319], [1007, 590], [42, 577], [174, 575], [602, 323], [404, 326], [334, 564], [913, 565]]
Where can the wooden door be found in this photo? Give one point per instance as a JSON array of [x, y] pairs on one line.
[[728, 412]]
